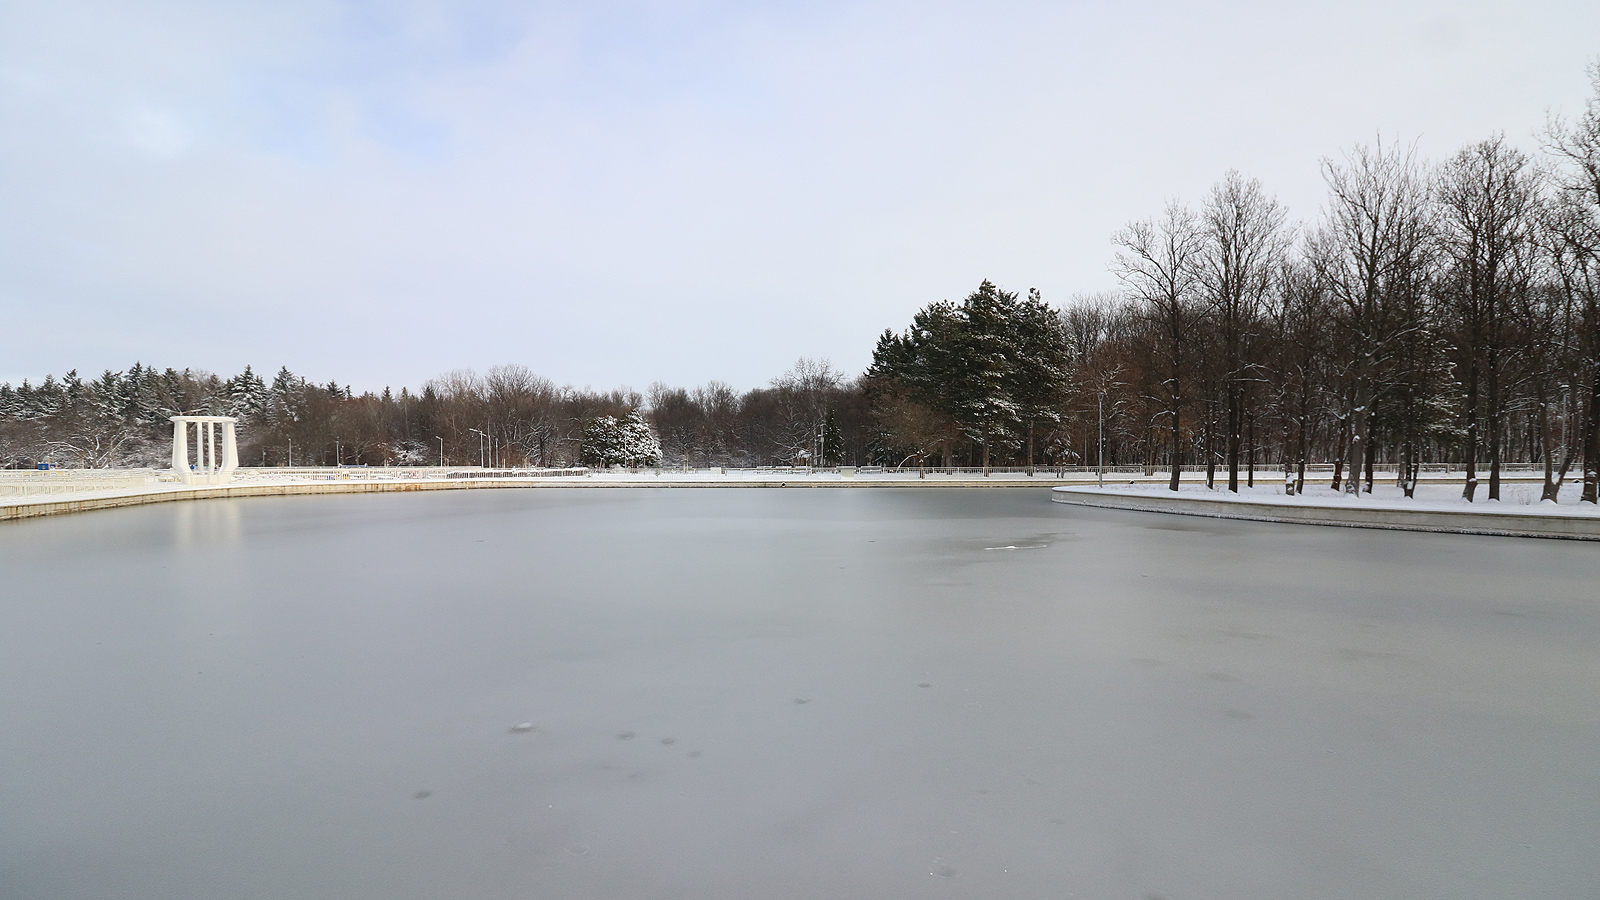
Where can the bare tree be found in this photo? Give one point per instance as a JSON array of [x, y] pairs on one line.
[[1158, 263], [1299, 361], [1243, 245], [1488, 197], [1368, 250], [1576, 146]]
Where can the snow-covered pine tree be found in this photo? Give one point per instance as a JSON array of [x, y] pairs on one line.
[[247, 396], [628, 442], [600, 442], [832, 440], [637, 444]]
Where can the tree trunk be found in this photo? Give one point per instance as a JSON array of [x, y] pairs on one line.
[[1211, 456], [1251, 458], [1550, 487], [1338, 453], [1030, 448], [1300, 456], [1553, 478], [1370, 454], [1493, 374], [1359, 433], [1235, 426], [1471, 461], [1591, 442]]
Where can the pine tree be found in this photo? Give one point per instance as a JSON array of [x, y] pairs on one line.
[[1038, 377], [247, 396], [832, 440]]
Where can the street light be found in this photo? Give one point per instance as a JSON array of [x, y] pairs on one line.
[[1100, 457], [441, 450], [481, 436]]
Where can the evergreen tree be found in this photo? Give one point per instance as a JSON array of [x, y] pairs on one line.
[[247, 396], [1037, 376], [832, 440], [989, 365]]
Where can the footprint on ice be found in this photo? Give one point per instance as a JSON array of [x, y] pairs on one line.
[[669, 740], [801, 700], [522, 727], [923, 684], [422, 795], [625, 736]]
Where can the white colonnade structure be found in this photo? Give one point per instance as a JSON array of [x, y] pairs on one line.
[[207, 467]]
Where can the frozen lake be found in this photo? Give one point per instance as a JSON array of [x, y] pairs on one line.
[[741, 693]]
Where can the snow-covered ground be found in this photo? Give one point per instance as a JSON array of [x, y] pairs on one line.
[[1444, 496]]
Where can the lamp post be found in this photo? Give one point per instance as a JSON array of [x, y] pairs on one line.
[[1100, 456], [481, 436], [441, 450]]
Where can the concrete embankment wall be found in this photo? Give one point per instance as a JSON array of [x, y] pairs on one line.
[[1506, 523], [28, 510]]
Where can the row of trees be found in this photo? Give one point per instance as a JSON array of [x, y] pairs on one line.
[[1444, 314], [506, 417]]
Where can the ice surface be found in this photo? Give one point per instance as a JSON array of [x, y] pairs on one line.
[[314, 696]]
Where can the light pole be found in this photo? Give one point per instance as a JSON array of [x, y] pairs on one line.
[[441, 450], [338, 456], [1100, 456], [481, 436]]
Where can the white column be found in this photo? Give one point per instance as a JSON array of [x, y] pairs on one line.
[[230, 450], [180, 449]]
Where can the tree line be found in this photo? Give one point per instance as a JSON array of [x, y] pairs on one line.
[[1444, 314], [1434, 314], [508, 416]]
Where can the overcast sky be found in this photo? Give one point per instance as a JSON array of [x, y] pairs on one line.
[[619, 193]]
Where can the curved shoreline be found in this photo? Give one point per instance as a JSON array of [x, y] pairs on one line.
[[1500, 523], [38, 508]]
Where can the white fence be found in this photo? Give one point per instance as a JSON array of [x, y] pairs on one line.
[[392, 473]]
